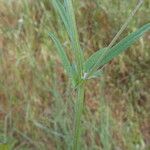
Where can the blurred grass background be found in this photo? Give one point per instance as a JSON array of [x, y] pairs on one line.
[[36, 99]]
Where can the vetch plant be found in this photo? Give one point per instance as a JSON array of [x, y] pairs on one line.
[[80, 70]]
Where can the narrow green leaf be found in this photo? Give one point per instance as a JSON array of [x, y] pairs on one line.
[[124, 44], [63, 14], [72, 22], [74, 74], [74, 35], [66, 12], [62, 53], [93, 62]]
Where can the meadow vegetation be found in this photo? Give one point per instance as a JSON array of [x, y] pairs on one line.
[[37, 99]]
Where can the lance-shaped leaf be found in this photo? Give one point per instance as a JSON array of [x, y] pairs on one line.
[[74, 73], [124, 44], [93, 62], [62, 54], [66, 11], [63, 14], [78, 53]]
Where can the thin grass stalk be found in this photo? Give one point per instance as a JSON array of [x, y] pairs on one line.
[[78, 116]]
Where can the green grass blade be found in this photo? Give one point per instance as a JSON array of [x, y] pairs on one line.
[[71, 19], [92, 60], [124, 44], [66, 12], [62, 12], [74, 74], [114, 51], [74, 35], [62, 54]]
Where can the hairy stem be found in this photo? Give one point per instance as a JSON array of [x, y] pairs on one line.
[[78, 117]]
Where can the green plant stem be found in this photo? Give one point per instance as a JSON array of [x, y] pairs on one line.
[[78, 116]]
